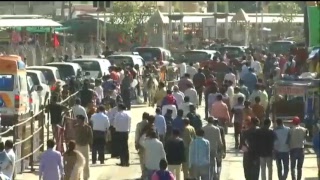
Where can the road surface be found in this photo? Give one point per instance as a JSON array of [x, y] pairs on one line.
[[231, 170]]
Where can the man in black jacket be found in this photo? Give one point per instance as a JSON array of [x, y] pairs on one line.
[[175, 153], [265, 139], [249, 146]]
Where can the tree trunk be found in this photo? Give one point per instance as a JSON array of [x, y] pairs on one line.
[[63, 5], [70, 10]]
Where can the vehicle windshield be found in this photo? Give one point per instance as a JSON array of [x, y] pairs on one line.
[[48, 74], [148, 54], [280, 47], [65, 70], [232, 51], [6, 83], [34, 78], [196, 56], [89, 65], [120, 60]]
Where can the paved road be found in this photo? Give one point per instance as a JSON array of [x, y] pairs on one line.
[[232, 165]]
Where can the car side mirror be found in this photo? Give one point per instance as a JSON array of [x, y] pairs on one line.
[[39, 88]]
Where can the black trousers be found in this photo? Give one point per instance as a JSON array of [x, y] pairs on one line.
[[251, 166], [98, 145], [123, 147], [200, 93], [206, 108], [126, 96], [114, 145]]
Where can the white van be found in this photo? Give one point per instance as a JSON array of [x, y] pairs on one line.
[[14, 95], [95, 66]]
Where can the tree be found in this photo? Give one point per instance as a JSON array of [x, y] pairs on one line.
[[288, 11], [129, 17]]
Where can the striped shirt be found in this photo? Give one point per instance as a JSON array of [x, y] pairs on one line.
[[237, 111]]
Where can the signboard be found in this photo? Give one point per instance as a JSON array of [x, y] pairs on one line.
[[208, 28], [313, 13], [290, 90]]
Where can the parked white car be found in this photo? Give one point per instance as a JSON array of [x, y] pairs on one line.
[[39, 80], [34, 99], [95, 66], [51, 74]]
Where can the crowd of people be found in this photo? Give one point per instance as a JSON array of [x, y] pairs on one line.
[[175, 139]]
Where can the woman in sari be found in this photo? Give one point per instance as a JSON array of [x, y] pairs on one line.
[[73, 162]]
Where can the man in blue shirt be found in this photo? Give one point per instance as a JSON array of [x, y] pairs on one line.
[[160, 124], [250, 80], [316, 147], [199, 156], [178, 123]]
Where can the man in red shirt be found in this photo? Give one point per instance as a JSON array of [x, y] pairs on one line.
[[113, 74]]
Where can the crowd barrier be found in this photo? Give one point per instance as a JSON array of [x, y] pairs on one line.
[[29, 136]]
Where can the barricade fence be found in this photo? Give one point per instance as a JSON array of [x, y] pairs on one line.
[[29, 136]]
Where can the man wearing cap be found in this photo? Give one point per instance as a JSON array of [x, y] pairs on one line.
[[84, 138], [297, 138], [212, 134]]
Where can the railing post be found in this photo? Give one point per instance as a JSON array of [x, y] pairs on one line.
[[32, 143], [48, 125], [41, 125], [22, 149], [18, 151]]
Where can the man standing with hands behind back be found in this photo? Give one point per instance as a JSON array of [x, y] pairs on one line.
[[83, 138], [100, 125], [122, 124]]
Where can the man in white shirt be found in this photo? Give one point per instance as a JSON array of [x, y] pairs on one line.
[[122, 125], [99, 90], [231, 77], [182, 69], [178, 95], [154, 152], [256, 65], [236, 96], [100, 125], [192, 94], [185, 107], [8, 171], [191, 70], [77, 109]]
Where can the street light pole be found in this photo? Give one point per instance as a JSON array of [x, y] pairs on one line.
[[257, 26], [262, 24]]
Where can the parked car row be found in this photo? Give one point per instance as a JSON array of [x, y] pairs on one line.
[[23, 89]]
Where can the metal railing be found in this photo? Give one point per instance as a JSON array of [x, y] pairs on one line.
[[29, 140]]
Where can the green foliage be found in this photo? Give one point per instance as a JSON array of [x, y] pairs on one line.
[[287, 10], [130, 15]]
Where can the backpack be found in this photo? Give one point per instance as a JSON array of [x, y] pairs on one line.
[[163, 175]]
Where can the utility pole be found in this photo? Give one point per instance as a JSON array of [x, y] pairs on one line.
[[13, 8], [256, 25], [262, 24], [70, 10]]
